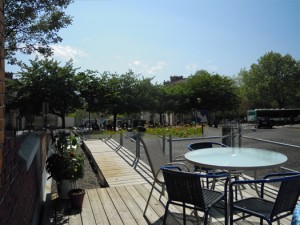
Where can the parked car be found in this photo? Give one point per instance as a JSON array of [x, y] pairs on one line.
[[264, 122]]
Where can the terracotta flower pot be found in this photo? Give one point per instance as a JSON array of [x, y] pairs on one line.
[[76, 197]]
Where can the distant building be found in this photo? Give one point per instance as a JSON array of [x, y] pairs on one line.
[[175, 80]]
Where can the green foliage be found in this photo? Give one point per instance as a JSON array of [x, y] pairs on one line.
[[123, 94], [273, 82], [92, 89], [212, 92], [45, 81], [178, 131], [67, 162], [31, 26]]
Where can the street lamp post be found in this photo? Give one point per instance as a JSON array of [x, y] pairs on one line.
[[202, 126]]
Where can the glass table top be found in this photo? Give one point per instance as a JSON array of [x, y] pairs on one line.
[[235, 158]]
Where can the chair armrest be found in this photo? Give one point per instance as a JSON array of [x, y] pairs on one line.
[[281, 175], [170, 167], [275, 177]]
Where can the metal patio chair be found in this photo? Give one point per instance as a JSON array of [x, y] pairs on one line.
[[199, 145], [283, 205], [185, 189], [156, 159]]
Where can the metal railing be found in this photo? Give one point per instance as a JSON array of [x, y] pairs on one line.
[[232, 135]]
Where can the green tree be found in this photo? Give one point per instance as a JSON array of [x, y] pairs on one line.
[[212, 92], [159, 101], [120, 94], [273, 82], [92, 90], [245, 103], [45, 81], [32, 25]]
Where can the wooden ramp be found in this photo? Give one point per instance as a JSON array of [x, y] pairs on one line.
[[116, 164]]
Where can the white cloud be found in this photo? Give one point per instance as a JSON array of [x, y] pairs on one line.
[[137, 63], [146, 69], [158, 67], [191, 67], [67, 52], [207, 65]]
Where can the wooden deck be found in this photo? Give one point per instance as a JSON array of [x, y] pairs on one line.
[[125, 197]]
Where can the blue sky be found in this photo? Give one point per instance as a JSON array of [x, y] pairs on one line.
[[161, 38]]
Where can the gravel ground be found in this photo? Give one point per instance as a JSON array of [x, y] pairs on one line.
[[91, 179]]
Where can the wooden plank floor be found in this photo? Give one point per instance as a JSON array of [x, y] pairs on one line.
[[116, 165], [124, 200]]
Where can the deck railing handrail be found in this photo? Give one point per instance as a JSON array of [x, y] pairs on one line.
[[235, 132]]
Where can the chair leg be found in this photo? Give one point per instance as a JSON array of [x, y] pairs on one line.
[[205, 218], [197, 216], [166, 213], [149, 198], [231, 215], [238, 188], [261, 221], [184, 216], [226, 210]]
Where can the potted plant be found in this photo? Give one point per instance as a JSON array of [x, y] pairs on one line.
[[76, 197], [66, 164]]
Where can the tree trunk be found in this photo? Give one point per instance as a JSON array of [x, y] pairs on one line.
[[160, 118], [115, 122]]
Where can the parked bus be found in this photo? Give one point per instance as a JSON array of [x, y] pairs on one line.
[[278, 116]]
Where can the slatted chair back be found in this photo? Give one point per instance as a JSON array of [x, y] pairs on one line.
[[288, 195], [154, 153], [200, 145], [184, 187]]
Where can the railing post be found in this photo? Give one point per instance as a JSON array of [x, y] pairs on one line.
[[232, 135], [121, 138], [240, 134], [164, 143], [170, 148], [137, 144]]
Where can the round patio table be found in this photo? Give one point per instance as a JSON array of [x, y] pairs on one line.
[[234, 158]]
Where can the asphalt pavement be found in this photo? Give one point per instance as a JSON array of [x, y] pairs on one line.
[[284, 139]]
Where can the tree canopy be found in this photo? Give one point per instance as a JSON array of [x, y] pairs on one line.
[[273, 82], [212, 92], [45, 81], [121, 94], [31, 26]]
